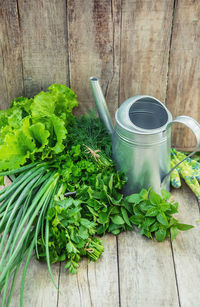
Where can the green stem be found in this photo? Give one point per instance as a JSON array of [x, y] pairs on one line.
[[48, 186], [13, 186], [30, 251], [23, 168], [47, 245], [18, 203]]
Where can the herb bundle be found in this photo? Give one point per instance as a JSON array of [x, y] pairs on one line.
[[153, 215], [65, 188]]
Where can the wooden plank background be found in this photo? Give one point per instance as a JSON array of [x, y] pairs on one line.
[[134, 46]]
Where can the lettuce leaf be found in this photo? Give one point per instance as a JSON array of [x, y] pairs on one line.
[[40, 135], [65, 101], [23, 104], [17, 147], [35, 128]]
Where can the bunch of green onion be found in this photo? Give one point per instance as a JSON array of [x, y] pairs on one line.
[[24, 204]]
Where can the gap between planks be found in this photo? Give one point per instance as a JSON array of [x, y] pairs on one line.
[[118, 271], [185, 248], [176, 279], [59, 272], [173, 257], [170, 45]]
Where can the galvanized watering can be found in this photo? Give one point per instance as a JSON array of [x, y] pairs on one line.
[[141, 139]]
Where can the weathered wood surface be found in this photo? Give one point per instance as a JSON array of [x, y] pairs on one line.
[[38, 290], [183, 95], [133, 271], [96, 284], [94, 47], [43, 29], [146, 272], [145, 44], [134, 47], [186, 250], [11, 69]]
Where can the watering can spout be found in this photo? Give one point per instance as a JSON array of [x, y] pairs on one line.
[[101, 105]]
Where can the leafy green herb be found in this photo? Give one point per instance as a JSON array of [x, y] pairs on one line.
[[153, 214], [34, 129], [87, 129], [71, 236], [63, 155]]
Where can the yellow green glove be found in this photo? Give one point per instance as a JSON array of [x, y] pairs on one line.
[[174, 176], [189, 170]]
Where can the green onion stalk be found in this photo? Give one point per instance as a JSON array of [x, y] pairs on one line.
[[24, 204]]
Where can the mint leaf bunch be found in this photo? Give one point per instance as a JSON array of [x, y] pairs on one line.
[[152, 214]]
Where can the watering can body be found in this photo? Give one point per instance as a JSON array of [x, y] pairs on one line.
[[143, 155], [141, 139]]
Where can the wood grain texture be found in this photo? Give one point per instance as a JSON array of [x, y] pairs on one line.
[[44, 39], [186, 249], [183, 95], [11, 69], [96, 284], [145, 40], [39, 289], [146, 272], [94, 46]]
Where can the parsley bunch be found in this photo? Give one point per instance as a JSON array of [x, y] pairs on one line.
[[71, 235], [96, 207]]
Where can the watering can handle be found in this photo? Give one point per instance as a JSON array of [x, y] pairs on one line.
[[195, 127]]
